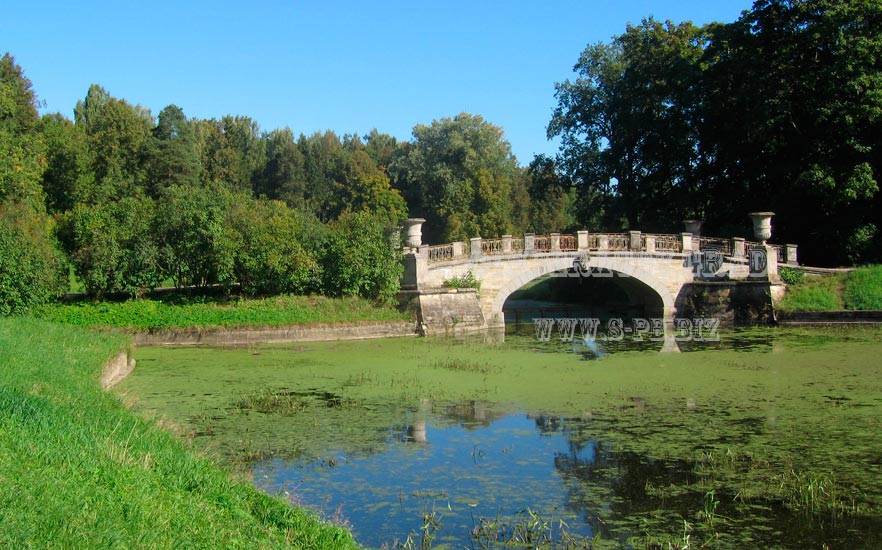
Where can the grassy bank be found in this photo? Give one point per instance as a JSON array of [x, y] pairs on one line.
[[860, 289], [78, 470], [179, 313]]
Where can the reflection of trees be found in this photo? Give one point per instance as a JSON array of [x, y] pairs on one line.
[[608, 488], [472, 415]]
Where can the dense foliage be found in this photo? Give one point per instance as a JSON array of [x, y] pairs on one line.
[[180, 312], [460, 175], [32, 270], [780, 110]]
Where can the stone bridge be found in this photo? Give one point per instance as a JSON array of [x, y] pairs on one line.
[[653, 269]]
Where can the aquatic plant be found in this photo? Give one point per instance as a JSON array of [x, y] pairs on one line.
[[270, 401], [702, 436], [464, 365], [814, 494], [528, 531]]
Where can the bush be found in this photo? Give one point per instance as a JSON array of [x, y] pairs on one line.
[[791, 276], [359, 259], [32, 269], [196, 246], [112, 246], [466, 281], [269, 257]]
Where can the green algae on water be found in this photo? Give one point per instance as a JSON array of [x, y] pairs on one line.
[[725, 444]]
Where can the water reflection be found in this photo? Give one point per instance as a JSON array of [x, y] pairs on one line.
[[480, 463], [670, 340], [466, 461]]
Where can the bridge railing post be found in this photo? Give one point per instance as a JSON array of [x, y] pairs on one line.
[[686, 242], [635, 240], [506, 244], [603, 241], [416, 267], [790, 254], [650, 244], [458, 249], [555, 242], [476, 251], [582, 240], [529, 242], [737, 247]]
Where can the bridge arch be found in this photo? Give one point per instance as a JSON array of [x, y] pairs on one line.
[[620, 267]]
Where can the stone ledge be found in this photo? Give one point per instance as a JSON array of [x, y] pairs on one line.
[[840, 317], [276, 335], [116, 369]]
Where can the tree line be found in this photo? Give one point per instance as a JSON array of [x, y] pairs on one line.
[[780, 110], [128, 201]]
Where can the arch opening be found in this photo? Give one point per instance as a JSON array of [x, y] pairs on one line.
[[604, 295]]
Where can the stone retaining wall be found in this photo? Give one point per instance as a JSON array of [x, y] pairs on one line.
[[276, 335], [830, 318], [116, 369], [732, 302]]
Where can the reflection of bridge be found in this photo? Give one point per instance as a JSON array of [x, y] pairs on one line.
[[653, 269]]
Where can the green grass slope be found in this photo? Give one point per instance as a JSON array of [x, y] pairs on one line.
[[860, 290], [78, 470]]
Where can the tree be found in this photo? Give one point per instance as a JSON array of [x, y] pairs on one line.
[[112, 246], [629, 126], [22, 149], [170, 155], [33, 271], [20, 103], [550, 195], [68, 167], [777, 111], [382, 148], [282, 176], [361, 186], [359, 259], [231, 152], [321, 153], [116, 133], [195, 246], [804, 79], [458, 175]]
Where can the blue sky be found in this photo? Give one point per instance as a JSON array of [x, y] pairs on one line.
[[344, 66]]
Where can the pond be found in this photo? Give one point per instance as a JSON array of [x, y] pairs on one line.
[[766, 438]]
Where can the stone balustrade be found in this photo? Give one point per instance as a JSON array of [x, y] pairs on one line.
[[633, 241]]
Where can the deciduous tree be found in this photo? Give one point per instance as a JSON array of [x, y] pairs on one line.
[[458, 175]]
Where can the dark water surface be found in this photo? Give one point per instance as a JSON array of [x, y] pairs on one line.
[[765, 439]]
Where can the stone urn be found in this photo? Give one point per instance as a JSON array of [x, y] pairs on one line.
[[413, 228], [693, 226], [762, 225]]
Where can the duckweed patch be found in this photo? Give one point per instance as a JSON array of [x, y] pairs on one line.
[[767, 439]]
